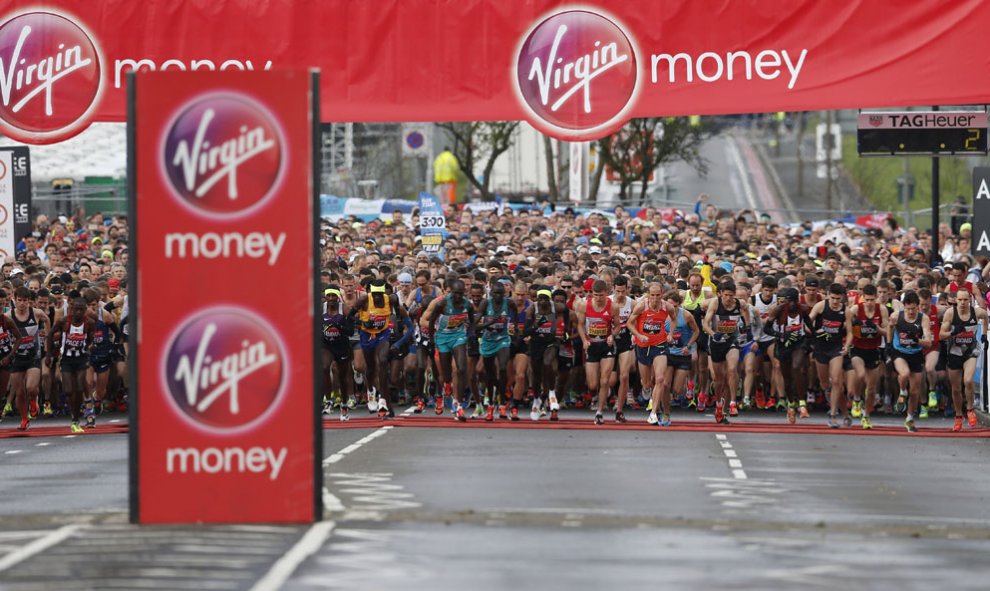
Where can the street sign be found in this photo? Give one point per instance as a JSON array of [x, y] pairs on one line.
[[981, 211], [899, 133], [828, 143], [416, 140]]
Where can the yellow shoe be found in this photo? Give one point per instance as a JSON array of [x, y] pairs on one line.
[[75, 428], [857, 409], [865, 422]]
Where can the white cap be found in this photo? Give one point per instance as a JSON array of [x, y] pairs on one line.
[[595, 249]]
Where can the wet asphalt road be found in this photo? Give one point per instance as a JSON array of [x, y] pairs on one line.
[[447, 508]]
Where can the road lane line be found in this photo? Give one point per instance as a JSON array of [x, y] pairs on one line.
[[720, 437], [40, 545], [11, 452], [735, 464], [730, 453], [739, 475], [283, 568], [336, 457]]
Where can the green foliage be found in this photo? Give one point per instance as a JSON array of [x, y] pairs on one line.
[[876, 179]]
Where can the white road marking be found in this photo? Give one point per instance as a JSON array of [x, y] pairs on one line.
[[735, 464], [331, 502], [11, 452], [283, 568], [40, 545], [42, 444], [334, 458]]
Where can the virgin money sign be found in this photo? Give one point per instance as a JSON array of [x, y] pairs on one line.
[[227, 428], [575, 70]]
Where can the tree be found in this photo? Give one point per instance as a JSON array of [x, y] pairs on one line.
[[635, 151], [480, 143]]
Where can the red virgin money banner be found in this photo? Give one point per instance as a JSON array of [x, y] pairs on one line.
[[226, 425], [575, 70]]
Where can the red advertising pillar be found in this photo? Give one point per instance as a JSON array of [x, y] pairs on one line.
[[225, 422]]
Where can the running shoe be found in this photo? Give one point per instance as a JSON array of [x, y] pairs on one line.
[[690, 388], [865, 422], [665, 421], [971, 417], [932, 399], [479, 412], [514, 414], [909, 424], [719, 411], [372, 402], [791, 415], [8, 410], [46, 410], [957, 424], [703, 400], [649, 405], [781, 404], [747, 403], [803, 410], [554, 416], [810, 397], [733, 409], [620, 417], [922, 411], [692, 403], [502, 410], [438, 405], [651, 419], [75, 428], [534, 413], [90, 420], [489, 413], [25, 423], [901, 405], [771, 403], [833, 421], [599, 419], [420, 406], [847, 421], [857, 409], [459, 412], [382, 409], [345, 414], [34, 410], [761, 400]]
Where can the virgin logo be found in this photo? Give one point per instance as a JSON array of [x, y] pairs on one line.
[[49, 77], [577, 73], [224, 369], [223, 154]]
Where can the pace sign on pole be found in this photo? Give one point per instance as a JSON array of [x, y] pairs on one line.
[[981, 211], [226, 425]]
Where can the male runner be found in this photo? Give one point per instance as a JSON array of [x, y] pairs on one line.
[[597, 324], [449, 318], [866, 323]]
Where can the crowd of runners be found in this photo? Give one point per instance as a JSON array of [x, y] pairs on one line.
[[705, 310], [540, 310], [63, 329]]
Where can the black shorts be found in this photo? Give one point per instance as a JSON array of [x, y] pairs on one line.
[[598, 351], [623, 342], [764, 353], [397, 354], [956, 362], [538, 348], [100, 364], [564, 363], [22, 364], [118, 353], [915, 361], [473, 346], [943, 356], [424, 343], [719, 351], [679, 361], [783, 353], [826, 355], [75, 364], [518, 347], [703, 343], [339, 350], [870, 357], [646, 355]]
